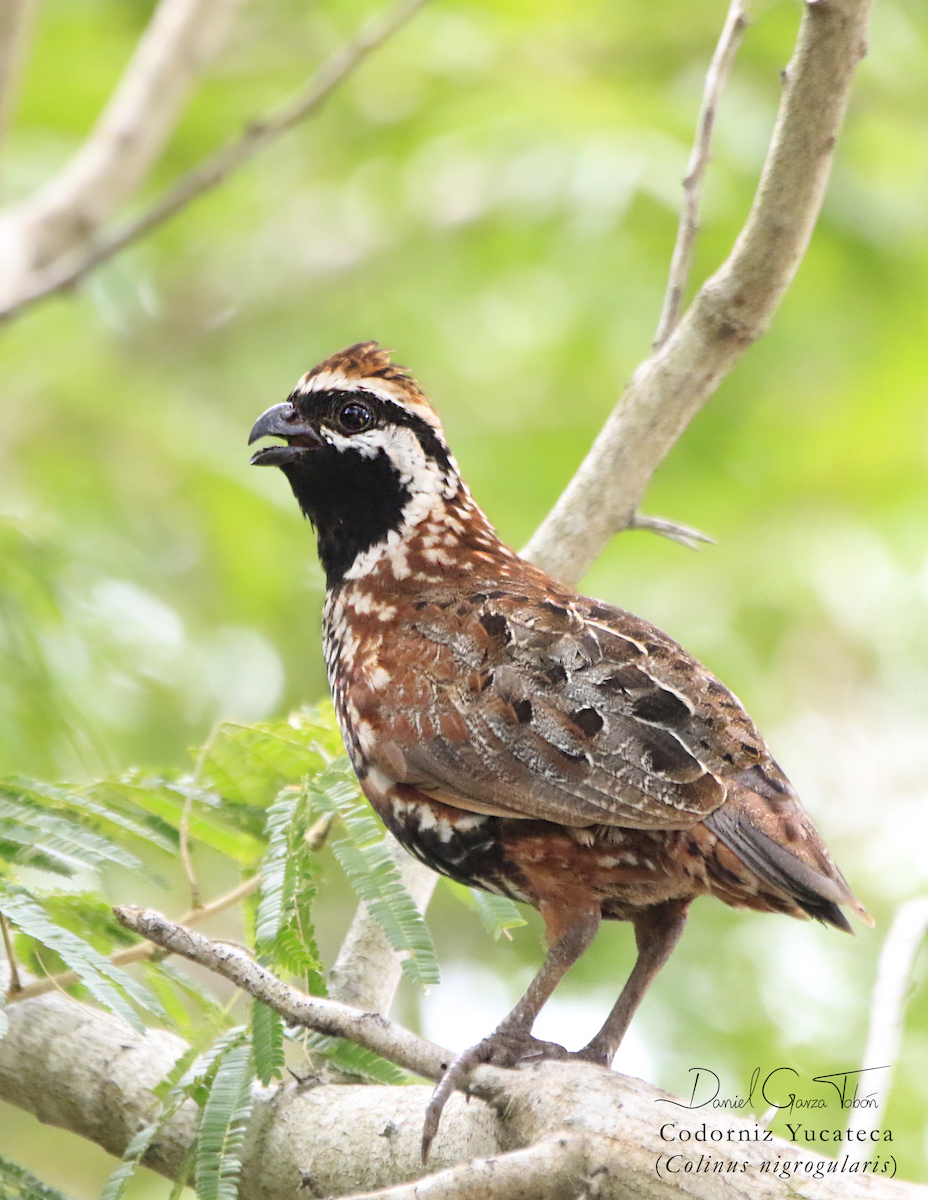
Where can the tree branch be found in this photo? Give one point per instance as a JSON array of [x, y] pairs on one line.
[[89, 1072], [15, 18], [367, 1029], [716, 79], [125, 143], [217, 168], [887, 1012], [730, 311], [550, 1170]]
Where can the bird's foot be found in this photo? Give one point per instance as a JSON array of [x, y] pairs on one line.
[[593, 1054], [501, 1049]]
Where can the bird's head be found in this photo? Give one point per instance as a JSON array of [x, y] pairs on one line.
[[364, 454]]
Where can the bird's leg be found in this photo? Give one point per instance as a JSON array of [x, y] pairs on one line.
[[657, 931], [511, 1041]]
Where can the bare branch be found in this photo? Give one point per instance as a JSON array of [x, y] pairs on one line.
[[367, 971], [367, 1029], [730, 311], [184, 849], [15, 19], [887, 1012], [143, 950], [127, 140], [716, 78], [686, 535], [233, 156]]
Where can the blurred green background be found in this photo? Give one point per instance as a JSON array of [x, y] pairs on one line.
[[495, 196]]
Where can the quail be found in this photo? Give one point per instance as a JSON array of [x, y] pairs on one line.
[[513, 734]]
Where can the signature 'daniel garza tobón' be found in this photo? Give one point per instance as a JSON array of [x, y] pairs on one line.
[[777, 1090]]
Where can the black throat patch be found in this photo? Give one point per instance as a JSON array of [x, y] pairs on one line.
[[353, 502]]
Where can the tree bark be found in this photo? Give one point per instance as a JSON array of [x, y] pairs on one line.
[[552, 1130], [730, 311]]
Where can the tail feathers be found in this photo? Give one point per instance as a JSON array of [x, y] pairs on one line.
[[815, 892]]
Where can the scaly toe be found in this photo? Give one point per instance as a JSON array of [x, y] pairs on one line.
[[502, 1049]]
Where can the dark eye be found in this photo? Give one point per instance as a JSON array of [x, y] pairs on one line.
[[355, 416]]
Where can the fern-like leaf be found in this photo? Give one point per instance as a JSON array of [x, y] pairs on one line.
[[24, 821], [284, 937], [267, 1033], [166, 800], [222, 1127], [373, 874], [16, 1183], [79, 804], [353, 1059], [115, 1186], [497, 913], [107, 984]]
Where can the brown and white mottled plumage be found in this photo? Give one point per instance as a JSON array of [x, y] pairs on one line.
[[513, 734]]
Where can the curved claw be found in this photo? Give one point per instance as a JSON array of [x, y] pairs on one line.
[[503, 1049], [454, 1074]]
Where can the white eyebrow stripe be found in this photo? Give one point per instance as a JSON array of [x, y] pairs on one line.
[[337, 381]]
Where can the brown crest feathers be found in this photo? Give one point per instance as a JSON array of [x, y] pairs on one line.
[[366, 366], [364, 360]]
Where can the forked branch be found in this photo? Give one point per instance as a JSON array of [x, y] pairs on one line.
[[60, 275], [367, 1029], [700, 157], [126, 142], [730, 311]]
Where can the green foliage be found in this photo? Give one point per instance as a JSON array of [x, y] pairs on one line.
[[115, 1186], [108, 985], [365, 859], [19, 1184], [283, 923], [223, 1122], [497, 914], [267, 1031], [352, 1059], [61, 831], [263, 797]]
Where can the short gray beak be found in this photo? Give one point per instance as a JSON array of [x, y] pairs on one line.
[[282, 421]]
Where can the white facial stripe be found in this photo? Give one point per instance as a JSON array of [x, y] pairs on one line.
[[419, 474], [428, 484], [335, 381]]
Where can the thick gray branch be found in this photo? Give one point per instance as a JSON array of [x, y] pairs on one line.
[[730, 311], [89, 1072], [127, 140], [596, 1132]]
